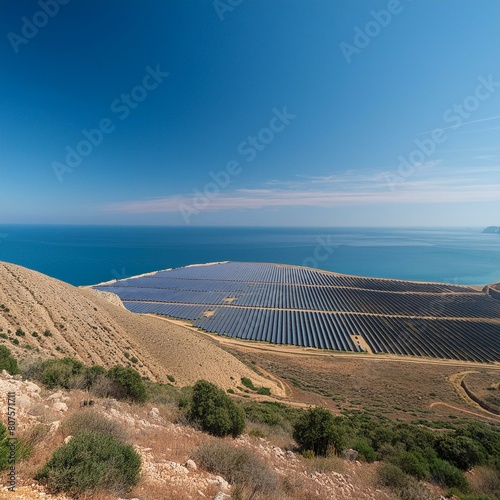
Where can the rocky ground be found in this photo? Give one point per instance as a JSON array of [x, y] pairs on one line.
[[166, 449]]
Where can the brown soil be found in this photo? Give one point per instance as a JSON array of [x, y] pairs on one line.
[[86, 326]]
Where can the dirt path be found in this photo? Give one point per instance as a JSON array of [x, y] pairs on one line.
[[456, 408], [456, 381]]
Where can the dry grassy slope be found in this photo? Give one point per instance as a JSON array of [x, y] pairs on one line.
[[88, 327]]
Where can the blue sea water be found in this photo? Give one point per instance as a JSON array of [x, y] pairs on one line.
[[83, 255]]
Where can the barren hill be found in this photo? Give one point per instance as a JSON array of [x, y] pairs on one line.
[[42, 316]]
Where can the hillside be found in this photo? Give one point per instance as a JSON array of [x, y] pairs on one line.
[[86, 326], [167, 449], [492, 230]]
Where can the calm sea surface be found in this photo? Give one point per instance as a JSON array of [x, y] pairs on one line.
[[83, 255]]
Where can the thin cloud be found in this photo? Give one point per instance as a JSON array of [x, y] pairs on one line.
[[462, 124], [438, 191]]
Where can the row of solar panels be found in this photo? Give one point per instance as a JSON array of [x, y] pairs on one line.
[[273, 273], [452, 339], [324, 299]]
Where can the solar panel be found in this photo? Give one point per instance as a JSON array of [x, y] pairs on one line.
[[311, 308]]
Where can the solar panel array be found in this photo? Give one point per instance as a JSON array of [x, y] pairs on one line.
[[306, 307]]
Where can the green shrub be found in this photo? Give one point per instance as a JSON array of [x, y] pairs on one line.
[[60, 372], [265, 391], [248, 383], [414, 464], [392, 476], [316, 430], [445, 474], [91, 376], [92, 420], [460, 451], [4, 447], [7, 361], [256, 433], [414, 490], [364, 449], [29, 438], [20, 333], [171, 378], [129, 383], [272, 414], [240, 467], [215, 411], [47, 333], [91, 461]]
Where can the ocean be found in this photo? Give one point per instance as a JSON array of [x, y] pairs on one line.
[[84, 255]]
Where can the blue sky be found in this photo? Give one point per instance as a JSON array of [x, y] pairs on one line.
[[262, 112]]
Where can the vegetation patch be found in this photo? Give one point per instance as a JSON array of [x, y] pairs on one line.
[[89, 462], [242, 468], [215, 411], [7, 361]]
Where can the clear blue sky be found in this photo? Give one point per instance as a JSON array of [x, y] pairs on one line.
[[304, 111]]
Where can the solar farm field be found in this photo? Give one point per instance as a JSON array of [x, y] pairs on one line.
[[310, 308]]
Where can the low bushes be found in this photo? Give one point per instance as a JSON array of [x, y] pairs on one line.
[[271, 414], [119, 382], [215, 411], [92, 420], [263, 391], [243, 469], [392, 476], [60, 372], [460, 451], [445, 474], [317, 431], [4, 447], [129, 384], [414, 464], [7, 361], [91, 461]]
